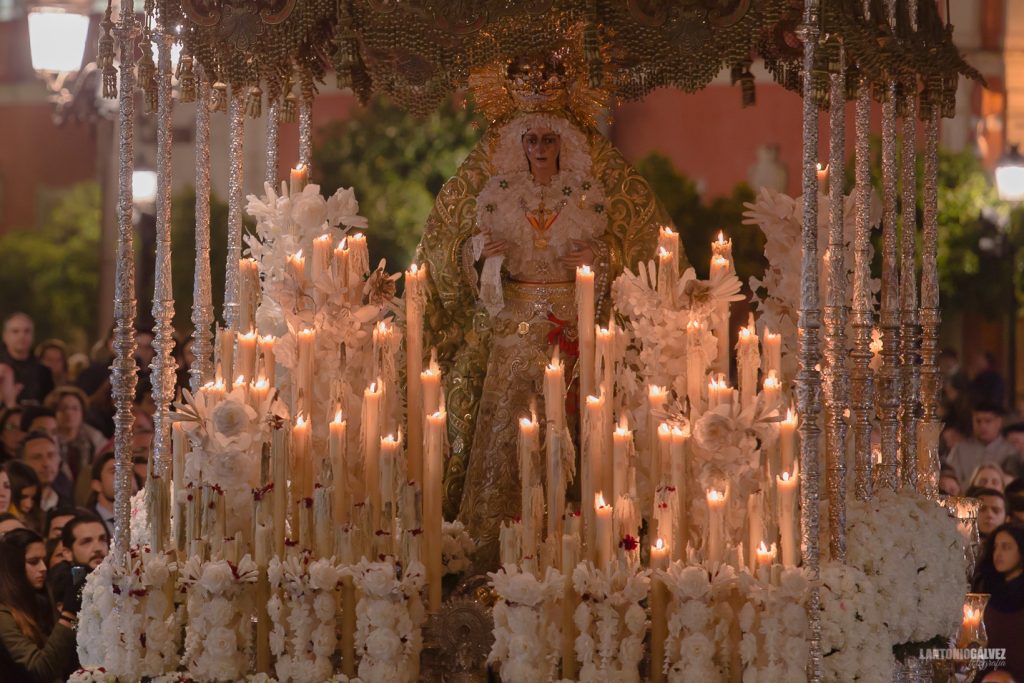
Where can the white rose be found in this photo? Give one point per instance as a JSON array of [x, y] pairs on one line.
[[323, 576], [324, 606], [231, 418], [636, 618], [378, 579], [217, 578], [309, 210], [383, 645], [714, 430], [218, 611], [221, 643], [342, 207]]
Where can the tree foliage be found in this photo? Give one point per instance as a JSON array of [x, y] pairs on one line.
[[397, 165], [52, 272]]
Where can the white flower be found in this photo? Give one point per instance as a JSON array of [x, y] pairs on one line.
[[342, 208], [309, 210], [221, 643], [216, 578]]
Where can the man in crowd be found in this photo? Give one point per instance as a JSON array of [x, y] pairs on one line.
[[103, 488], [991, 512], [986, 445], [39, 451], [16, 351], [38, 419], [86, 538]]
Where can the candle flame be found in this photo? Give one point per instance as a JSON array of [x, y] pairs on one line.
[[785, 476], [268, 340], [300, 421], [664, 253], [655, 391], [680, 432], [249, 336], [821, 169], [664, 429], [300, 168], [791, 416], [307, 333], [414, 269], [358, 237], [762, 548], [261, 383], [373, 388], [745, 333], [599, 500], [583, 270], [527, 422], [323, 238], [297, 255], [969, 613], [693, 325], [768, 334], [721, 237], [240, 380], [772, 382], [623, 428], [594, 401], [659, 544], [437, 415], [715, 496], [337, 416]]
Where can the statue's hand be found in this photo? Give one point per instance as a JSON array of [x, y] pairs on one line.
[[581, 254], [494, 248]]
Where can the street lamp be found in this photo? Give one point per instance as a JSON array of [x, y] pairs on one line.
[[57, 36], [1010, 176]]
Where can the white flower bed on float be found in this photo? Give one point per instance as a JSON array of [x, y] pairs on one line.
[[527, 631]]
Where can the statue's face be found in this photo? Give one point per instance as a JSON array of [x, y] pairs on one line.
[[542, 146]]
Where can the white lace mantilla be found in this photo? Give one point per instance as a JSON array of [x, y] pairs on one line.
[[572, 206]]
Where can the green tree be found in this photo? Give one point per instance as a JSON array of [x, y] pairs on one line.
[[52, 272], [397, 165]]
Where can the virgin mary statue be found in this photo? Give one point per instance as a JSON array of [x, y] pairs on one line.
[[542, 193]]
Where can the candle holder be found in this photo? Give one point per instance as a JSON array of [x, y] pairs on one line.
[[966, 512], [972, 632]]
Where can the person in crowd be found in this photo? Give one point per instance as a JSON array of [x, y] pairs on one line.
[[10, 388], [85, 537], [954, 406], [91, 379], [997, 675], [25, 492], [991, 511], [103, 490], [16, 351], [56, 519], [39, 419], [40, 452], [951, 435], [986, 386], [986, 445], [11, 436], [988, 475], [53, 353], [79, 442], [37, 644], [1001, 573], [1013, 465], [5, 490], [1014, 495], [948, 483], [77, 362], [8, 522]]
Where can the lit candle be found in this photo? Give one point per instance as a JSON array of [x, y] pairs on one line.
[[662, 458], [433, 473], [215, 391], [430, 379], [342, 502], [772, 391], [246, 365], [722, 248], [554, 412], [226, 343], [306, 341], [298, 180], [721, 266], [786, 487], [695, 368], [297, 267], [415, 300], [622, 451], [680, 476], [716, 526], [371, 445], [358, 265], [719, 391], [529, 446], [765, 559], [585, 325], [659, 620], [301, 465], [787, 439], [322, 251], [269, 361], [822, 172], [755, 525], [667, 277], [593, 457], [664, 519], [771, 345], [339, 266], [604, 532], [390, 449], [259, 392], [748, 361]]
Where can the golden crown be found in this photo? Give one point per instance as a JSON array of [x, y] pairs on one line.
[[559, 81]]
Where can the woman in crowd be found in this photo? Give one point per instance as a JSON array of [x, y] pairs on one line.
[[79, 442], [25, 493], [53, 353], [11, 434], [1001, 573], [36, 644], [948, 483], [988, 476]]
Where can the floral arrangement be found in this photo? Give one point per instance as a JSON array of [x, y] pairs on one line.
[[612, 622], [659, 325], [909, 547], [456, 547], [128, 622], [777, 295], [337, 302], [389, 620], [220, 603], [853, 629], [92, 674], [527, 637], [303, 636], [773, 623], [698, 623]]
